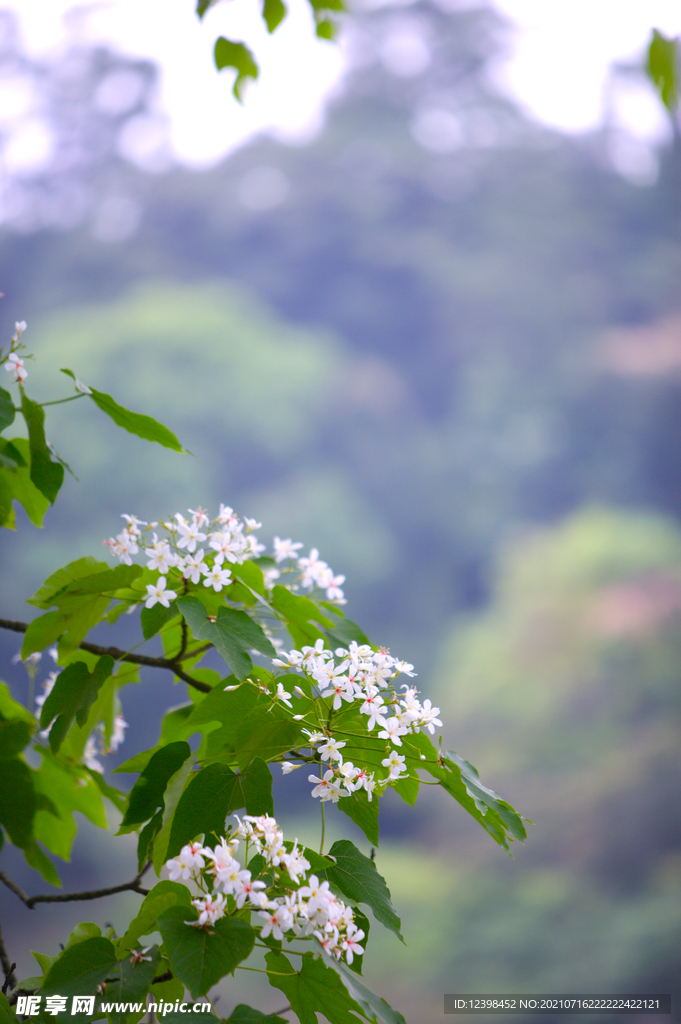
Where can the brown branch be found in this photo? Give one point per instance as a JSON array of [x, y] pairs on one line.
[[163, 977], [13, 887], [93, 894], [8, 968], [118, 655]]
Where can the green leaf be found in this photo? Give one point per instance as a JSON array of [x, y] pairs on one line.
[[234, 634], [134, 422], [243, 1014], [485, 799], [17, 801], [302, 616], [344, 632], [74, 693], [42, 863], [8, 1016], [461, 781], [214, 793], [9, 455], [10, 708], [200, 957], [273, 12], [14, 736], [78, 971], [266, 734], [235, 55], [84, 930], [363, 812], [357, 878], [164, 895], [133, 982], [16, 485], [59, 580], [153, 619], [145, 843], [311, 990], [42, 632], [663, 68], [203, 5], [7, 411], [371, 1006], [48, 476], [103, 582], [70, 788], [147, 794]]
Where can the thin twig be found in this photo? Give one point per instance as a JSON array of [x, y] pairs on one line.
[[93, 894], [8, 968], [118, 655], [14, 887], [163, 977]]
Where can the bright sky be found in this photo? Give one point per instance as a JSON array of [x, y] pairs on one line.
[[558, 67]]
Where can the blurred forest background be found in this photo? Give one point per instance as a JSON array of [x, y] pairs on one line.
[[442, 344]]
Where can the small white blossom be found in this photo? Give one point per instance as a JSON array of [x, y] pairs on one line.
[[285, 549], [217, 578], [157, 594]]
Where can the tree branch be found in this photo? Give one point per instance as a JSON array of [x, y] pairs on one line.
[[8, 968], [136, 659], [93, 894]]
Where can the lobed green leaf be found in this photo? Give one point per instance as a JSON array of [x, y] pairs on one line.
[[48, 476], [200, 957]]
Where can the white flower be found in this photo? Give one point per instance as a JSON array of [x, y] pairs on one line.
[[228, 545], [277, 923], [90, 756], [286, 766], [20, 326], [117, 733], [157, 594], [283, 695], [200, 516], [317, 893], [315, 737], [83, 388], [351, 943], [313, 569], [395, 762], [428, 717], [217, 578], [160, 556], [333, 590], [134, 524], [405, 668], [211, 909], [270, 576], [392, 730], [246, 889], [285, 549], [48, 686], [188, 861], [326, 788], [330, 750], [194, 566], [16, 366], [190, 535], [252, 524], [373, 706]]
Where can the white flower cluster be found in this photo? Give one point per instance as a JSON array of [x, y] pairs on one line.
[[14, 364], [310, 909], [360, 674], [228, 539]]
